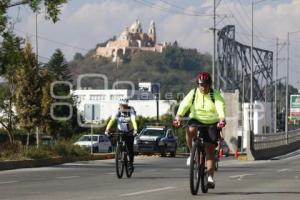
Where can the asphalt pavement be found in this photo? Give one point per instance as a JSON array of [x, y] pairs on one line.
[[154, 178]]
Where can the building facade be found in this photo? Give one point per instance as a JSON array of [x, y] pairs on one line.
[[100, 104], [131, 40]]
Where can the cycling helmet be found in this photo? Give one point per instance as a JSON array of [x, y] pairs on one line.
[[203, 77], [123, 101]]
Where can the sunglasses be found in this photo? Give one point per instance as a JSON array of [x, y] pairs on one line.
[[203, 84]]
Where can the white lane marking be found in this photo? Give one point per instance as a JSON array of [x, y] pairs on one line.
[[110, 173], [282, 170], [66, 177], [8, 182], [241, 175], [178, 169], [146, 191]]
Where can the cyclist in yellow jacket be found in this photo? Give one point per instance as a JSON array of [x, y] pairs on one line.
[[206, 107]]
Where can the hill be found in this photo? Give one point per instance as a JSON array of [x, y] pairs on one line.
[[174, 69]]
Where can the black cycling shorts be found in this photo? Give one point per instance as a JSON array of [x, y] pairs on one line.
[[210, 132]]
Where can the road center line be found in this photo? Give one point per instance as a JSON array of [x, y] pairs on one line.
[[282, 170], [110, 173], [66, 177], [146, 191], [8, 182], [241, 175]]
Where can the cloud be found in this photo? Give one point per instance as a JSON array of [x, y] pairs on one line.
[[95, 22]]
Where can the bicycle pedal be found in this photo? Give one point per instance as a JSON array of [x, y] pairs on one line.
[[211, 185]]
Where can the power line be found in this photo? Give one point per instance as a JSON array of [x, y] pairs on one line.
[[152, 5], [53, 41], [177, 7], [248, 16]]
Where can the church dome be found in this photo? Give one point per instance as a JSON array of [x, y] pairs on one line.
[[136, 27], [125, 34]]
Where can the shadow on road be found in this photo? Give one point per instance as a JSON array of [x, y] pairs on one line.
[[254, 193]]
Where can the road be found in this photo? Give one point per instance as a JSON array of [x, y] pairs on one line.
[[154, 178]]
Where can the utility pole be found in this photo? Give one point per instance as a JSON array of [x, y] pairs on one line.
[[287, 87], [214, 43], [251, 75], [275, 95], [36, 37], [37, 63]]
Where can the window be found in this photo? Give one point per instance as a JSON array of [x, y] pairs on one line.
[[97, 97], [116, 96], [81, 97]]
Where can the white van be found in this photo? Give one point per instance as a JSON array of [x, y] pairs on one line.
[[101, 143]]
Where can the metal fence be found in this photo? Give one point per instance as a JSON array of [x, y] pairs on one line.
[[294, 136], [268, 141]]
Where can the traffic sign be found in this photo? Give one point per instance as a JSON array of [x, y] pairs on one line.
[[295, 107]]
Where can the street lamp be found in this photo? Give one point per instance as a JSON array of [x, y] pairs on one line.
[[251, 62]]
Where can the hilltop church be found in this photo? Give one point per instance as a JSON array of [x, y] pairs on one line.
[[131, 40]]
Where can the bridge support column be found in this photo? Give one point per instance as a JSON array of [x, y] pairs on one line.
[[249, 149]]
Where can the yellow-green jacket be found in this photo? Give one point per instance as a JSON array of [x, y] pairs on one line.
[[203, 109]]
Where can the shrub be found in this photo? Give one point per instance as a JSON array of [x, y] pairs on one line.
[[66, 149], [10, 151], [37, 153]]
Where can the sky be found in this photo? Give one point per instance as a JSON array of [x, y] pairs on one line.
[[83, 24]]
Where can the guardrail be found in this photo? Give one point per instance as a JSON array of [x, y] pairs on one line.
[[266, 146], [268, 141], [294, 136]]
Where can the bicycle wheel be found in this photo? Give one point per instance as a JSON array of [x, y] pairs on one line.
[[203, 172], [126, 162], [216, 161], [119, 162], [195, 169]]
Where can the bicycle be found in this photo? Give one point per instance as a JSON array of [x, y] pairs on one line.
[[122, 157], [198, 168]]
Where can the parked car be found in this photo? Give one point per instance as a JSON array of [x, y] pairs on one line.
[[101, 143], [156, 139]]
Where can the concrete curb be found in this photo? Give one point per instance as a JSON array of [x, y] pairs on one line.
[[7, 165]]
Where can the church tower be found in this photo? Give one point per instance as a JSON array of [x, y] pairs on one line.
[[152, 32]]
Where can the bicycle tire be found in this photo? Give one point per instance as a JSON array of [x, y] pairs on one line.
[[126, 162], [119, 162], [203, 172], [194, 169], [216, 164]]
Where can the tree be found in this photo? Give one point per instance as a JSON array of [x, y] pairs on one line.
[[78, 56], [9, 62], [13, 66], [59, 71], [8, 118], [28, 91], [52, 9], [47, 124], [58, 67]]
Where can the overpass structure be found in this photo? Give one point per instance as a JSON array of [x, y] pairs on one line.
[[234, 73]]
